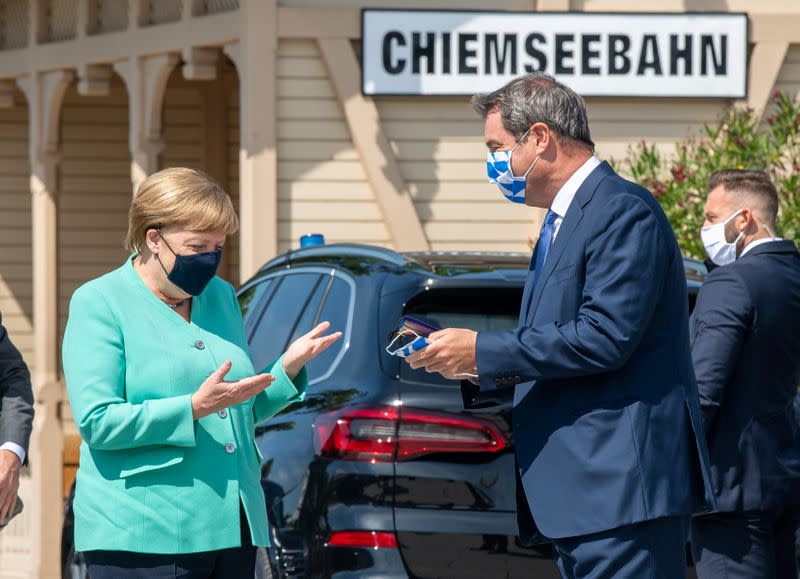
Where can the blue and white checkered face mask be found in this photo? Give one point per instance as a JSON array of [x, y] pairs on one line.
[[498, 168]]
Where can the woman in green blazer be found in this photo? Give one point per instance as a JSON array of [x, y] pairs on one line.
[[164, 393]]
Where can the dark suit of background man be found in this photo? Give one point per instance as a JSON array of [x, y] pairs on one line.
[[16, 419], [745, 333], [606, 416]]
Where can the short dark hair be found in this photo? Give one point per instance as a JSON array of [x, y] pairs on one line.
[[756, 184], [538, 98]]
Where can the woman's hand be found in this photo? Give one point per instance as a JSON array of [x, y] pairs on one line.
[[307, 348], [217, 393]]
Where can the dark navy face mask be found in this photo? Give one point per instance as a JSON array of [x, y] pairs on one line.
[[192, 273]]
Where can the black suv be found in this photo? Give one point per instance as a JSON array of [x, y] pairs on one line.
[[380, 472]]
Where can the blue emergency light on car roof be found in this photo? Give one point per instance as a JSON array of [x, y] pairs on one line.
[[312, 240]]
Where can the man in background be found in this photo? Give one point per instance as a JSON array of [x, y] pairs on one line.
[[16, 420], [745, 333]]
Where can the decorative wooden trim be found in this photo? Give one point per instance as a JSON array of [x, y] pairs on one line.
[[376, 153], [146, 79], [213, 30]]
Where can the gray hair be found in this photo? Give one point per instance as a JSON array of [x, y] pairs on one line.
[[538, 98]]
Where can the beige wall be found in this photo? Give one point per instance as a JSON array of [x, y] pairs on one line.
[[16, 272], [322, 186]]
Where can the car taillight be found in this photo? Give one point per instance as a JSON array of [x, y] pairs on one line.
[[389, 433], [368, 539]]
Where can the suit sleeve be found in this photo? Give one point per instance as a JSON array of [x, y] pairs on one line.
[[94, 368], [721, 316], [283, 391], [626, 261], [16, 395]]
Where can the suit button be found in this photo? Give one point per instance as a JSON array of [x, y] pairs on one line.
[[222, 413], [200, 345], [229, 448]]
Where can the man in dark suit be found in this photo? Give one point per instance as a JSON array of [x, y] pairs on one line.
[[745, 333], [606, 418], [16, 419]]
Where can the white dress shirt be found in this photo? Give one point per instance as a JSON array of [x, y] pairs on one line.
[[567, 192], [15, 448], [758, 242]]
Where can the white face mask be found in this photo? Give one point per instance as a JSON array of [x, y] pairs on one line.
[[717, 247]]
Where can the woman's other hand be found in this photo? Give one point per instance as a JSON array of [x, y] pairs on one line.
[[306, 348], [217, 393]]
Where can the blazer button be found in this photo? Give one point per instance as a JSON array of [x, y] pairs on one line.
[[222, 413], [200, 345], [229, 448]]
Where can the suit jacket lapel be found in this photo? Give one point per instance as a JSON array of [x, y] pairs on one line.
[[571, 220], [568, 225]]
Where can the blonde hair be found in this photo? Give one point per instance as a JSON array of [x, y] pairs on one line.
[[182, 197]]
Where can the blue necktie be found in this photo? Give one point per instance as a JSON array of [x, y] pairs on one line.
[[545, 240]]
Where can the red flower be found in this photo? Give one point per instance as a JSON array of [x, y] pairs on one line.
[[776, 95], [772, 119], [659, 189], [679, 174]]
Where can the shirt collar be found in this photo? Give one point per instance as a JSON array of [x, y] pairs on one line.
[[567, 192], [758, 242]]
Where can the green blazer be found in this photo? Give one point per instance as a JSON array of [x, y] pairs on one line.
[[152, 479]]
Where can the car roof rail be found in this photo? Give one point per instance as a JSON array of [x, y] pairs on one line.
[[337, 250]]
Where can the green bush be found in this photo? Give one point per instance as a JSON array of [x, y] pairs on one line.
[[737, 141]]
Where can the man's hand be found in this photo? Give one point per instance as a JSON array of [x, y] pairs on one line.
[[9, 482], [451, 353]]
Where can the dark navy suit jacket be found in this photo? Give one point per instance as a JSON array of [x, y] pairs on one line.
[[606, 412], [745, 333], [16, 396]]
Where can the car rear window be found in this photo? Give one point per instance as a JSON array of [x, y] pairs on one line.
[[479, 309]]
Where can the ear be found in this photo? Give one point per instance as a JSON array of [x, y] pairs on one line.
[[153, 240], [746, 220], [543, 136]]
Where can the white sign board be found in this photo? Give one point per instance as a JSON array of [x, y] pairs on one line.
[[424, 52]]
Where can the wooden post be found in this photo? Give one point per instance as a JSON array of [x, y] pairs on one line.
[[45, 94], [255, 57]]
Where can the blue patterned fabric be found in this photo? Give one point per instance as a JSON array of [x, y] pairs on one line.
[[498, 169], [545, 240]]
